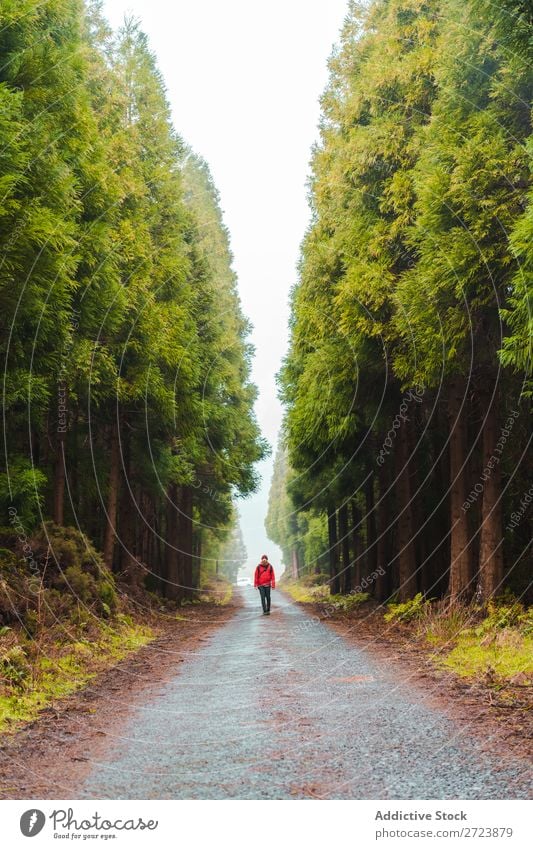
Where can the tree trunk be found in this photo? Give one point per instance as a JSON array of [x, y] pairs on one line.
[[460, 553], [406, 546], [333, 553], [60, 465], [383, 533], [346, 582], [172, 583], [371, 548], [186, 540], [295, 567], [357, 548], [128, 513], [112, 498], [491, 541]]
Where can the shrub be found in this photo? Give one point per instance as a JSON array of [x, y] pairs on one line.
[[525, 622], [444, 624], [407, 611], [72, 566], [350, 601], [319, 592], [81, 584], [15, 596], [313, 579], [108, 595], [501, 616], [14, 666]]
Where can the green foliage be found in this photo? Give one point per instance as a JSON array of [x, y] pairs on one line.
[[62, 669], [117, 288], [501, 659], [299, 532], [21, 494], [414, 608], [307, 594], [501, 616], [14, 667], [349, 602], [416, 271]]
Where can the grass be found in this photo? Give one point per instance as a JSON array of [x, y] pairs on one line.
[[309, 592], [65, 668], [503, 656], [496, 644], [304, 593], [217, 590]]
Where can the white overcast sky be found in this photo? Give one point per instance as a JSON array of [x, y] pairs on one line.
[[244, 80]]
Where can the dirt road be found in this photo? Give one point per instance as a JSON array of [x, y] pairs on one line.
[[282, 707]]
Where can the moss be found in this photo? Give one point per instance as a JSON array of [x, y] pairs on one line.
[[495, 643], [14, 666], [502, 656], [218, 590], [303, 593], [66, 668], [414, 608], [348, 602]]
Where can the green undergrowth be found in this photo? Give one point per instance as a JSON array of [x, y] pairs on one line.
[[310, 589], [64, 619], [407, 611], [216, 590], [505, 656], [34, 676], [313, 589], [495, 644]]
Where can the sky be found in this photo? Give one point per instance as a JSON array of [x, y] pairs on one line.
[[244, 81]]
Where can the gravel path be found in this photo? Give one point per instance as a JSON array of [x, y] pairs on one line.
[[282, 707]]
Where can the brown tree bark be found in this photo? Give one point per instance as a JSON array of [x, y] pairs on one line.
[[295, 565], [186, 540], [333, 552], [128, 514], [406, 545], [491, 541], [60, 464], [346, 582], [112, 498], [383, 533], [357, 548], [371, 554], [460, 552], [172, 579]]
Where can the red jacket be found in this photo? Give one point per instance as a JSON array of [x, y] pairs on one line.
[[264, 576]]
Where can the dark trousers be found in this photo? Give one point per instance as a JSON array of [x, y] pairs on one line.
[[265, 598]]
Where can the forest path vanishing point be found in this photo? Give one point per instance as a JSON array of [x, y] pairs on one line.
[[282, 707]]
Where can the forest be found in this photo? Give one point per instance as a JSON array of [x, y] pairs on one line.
[[404, 464], [140, 656], [128, 407]]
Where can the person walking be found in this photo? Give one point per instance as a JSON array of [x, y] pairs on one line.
[[265, 580]]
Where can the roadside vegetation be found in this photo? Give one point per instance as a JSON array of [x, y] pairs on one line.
[[406, 453], [72, 619], [401, 494]]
